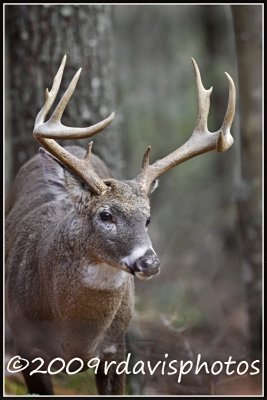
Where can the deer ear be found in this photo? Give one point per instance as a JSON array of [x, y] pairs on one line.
[[62, 181], [154, 186], [53, 171], [77, 190]]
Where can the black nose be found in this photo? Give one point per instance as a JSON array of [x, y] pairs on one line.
[[148, 264]]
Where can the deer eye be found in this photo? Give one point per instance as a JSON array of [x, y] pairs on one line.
[[148, 221], [106, 216]]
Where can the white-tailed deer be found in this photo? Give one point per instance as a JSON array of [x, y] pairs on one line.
[[76, 238]]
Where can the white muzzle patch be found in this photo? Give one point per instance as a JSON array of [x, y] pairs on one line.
[[135, 254]]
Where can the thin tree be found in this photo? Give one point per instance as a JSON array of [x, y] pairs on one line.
[[248, 33]]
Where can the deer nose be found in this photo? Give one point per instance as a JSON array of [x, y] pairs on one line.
[[147, 265]]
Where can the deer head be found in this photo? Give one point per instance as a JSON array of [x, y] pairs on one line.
[[118, 212]]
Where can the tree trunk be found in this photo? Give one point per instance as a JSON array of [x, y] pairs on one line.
[[37, 38], [248, 32]]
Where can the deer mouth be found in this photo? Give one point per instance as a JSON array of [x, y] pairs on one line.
[[141, 275]]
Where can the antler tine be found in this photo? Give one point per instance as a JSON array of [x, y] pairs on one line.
[[203, 98], [225, 139], [53, 128], [57, 114], [201, 140], [50, 96], [46, 132]]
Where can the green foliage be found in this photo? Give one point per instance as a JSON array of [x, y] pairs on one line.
[[15, 386], [80, 384]]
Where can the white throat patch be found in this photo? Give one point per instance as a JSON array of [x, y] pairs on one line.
[[103, 276]]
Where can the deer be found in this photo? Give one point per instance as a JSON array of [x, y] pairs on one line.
[[76, 239]]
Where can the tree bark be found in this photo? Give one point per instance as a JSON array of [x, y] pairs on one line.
[[37, 38], [248, 32]]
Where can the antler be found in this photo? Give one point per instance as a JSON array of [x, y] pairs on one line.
[[201, 140], [46, 132]]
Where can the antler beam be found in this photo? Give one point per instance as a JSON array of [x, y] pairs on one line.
[[201, 140], [46, 132]]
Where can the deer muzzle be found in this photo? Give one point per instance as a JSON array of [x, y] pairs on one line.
[[145, 266]]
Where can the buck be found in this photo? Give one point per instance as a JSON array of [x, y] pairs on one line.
[[76, 238]]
